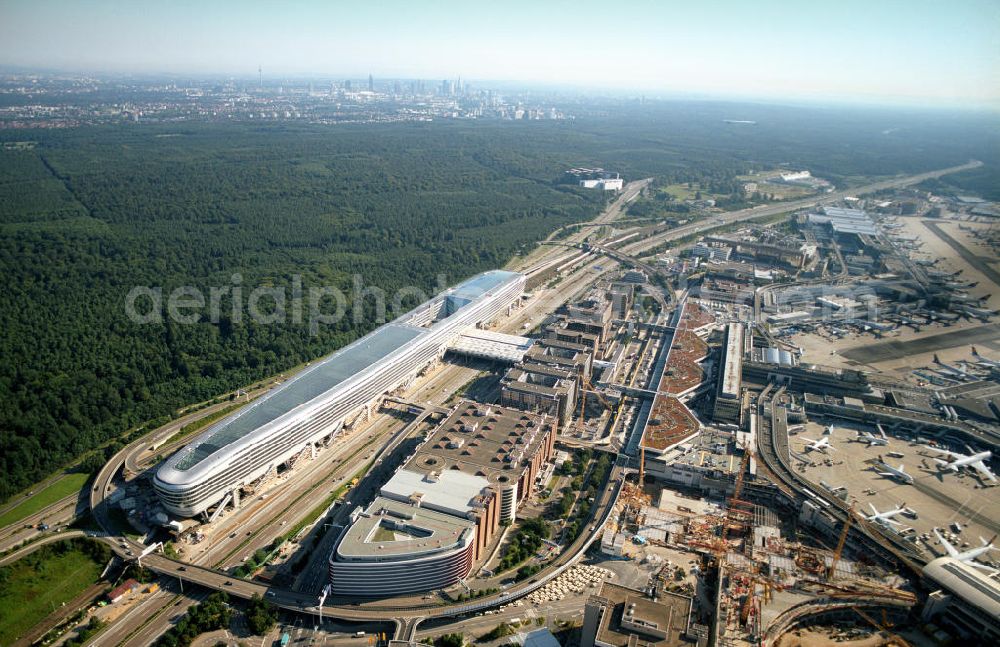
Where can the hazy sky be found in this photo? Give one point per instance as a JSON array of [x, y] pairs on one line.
[[914, 50]]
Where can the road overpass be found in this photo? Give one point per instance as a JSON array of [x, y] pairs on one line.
[[303, 603]]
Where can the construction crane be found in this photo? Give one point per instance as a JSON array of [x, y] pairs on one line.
[[737, 507], [642, 461], [895, 638], [840, 542]]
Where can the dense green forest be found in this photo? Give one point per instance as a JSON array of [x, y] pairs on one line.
[[86, 214]]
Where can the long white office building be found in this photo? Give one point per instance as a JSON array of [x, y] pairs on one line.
[[245, 446]]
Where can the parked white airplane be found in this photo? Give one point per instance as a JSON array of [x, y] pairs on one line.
[[820, 445], [984, 361], [967, 556], [870, 438], [890, 472], [885, 518], [949, 369], [957, 461]]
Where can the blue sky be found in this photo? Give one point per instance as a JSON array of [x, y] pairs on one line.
[[918, 51]]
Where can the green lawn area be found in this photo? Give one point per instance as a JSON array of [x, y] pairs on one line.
[[58, 489], [34, 587], [682, 192]]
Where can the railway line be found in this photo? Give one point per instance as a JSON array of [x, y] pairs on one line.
[[408, 617]]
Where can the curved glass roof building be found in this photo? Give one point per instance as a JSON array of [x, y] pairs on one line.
[[314, 404]]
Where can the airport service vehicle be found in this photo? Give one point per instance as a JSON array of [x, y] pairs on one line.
[[967, 556]]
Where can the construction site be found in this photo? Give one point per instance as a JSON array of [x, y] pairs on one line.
[[762, 571]]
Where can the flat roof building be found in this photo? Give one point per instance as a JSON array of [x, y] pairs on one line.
[[561, 331], [468, 477], [967, 602], [622, 617], [540, 388], [408, 547], [568, 356], [845, 221], [593, 316], [727, 396]]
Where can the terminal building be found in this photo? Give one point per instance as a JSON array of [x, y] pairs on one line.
[[438, 514], [727, 396], [251, 443], [967, 601]]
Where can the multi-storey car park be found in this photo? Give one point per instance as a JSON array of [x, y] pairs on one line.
[[252, 442], [437, 515]]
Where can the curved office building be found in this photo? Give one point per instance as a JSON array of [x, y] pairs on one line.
[[248, 444], [394, 548]]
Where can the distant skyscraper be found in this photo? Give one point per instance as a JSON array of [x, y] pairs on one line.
[[395, 88], [371, 83], [260, 77], [347, 85]]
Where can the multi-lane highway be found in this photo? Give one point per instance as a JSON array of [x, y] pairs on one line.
[[730, 217], [56, 515], [263, 519]]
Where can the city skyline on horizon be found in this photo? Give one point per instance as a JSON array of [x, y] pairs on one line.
[[900, 54]]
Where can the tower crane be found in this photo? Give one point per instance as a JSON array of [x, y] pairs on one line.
[[840, 543]]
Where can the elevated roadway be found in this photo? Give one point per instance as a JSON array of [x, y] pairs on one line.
[[408, 615], [35, 545], [772, 450]]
